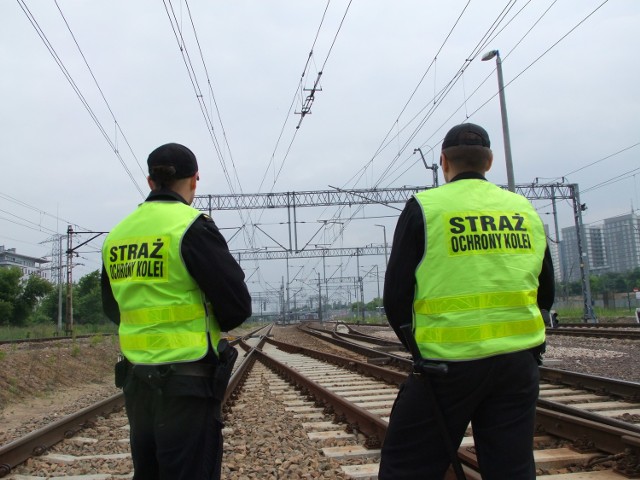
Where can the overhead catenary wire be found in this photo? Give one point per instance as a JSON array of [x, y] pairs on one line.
[[76, 89], [462, 71], [113, 116], [186, 58], [213, 97], [478, 49], [440, 97], [300, 83], [272, 161], [193, 77]]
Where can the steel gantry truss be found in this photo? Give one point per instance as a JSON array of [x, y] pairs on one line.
[[293, 200], [337, 197], [381, 196]]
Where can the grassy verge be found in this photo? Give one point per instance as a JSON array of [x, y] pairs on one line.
[[47, 331]]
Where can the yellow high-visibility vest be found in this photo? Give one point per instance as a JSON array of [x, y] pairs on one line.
[[164, 316], [476, 285]]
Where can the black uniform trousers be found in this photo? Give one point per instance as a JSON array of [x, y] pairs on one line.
[[497, 395], [174, 432]]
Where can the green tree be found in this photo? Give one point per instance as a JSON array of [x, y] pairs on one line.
[[87, 300], [33, 290], [17, 297], [9, 292], [374, 304], [47, 309]]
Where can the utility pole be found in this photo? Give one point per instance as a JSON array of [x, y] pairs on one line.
[[505, 120], [319, 298], [69, 307], [288, 309], [70, 252], [384, 234], [359, 280], [589, 315], [59, 330], [324, 274], [282, 301]]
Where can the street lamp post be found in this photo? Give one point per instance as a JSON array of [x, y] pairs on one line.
[[384, 233], [505, 120]]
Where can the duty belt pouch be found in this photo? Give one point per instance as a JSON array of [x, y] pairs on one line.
[[227, 356], [121, 371]]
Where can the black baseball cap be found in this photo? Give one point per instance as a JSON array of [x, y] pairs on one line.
[[174, 155], [466, 134]]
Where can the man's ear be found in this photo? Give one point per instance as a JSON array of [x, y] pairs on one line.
[[444, 163], [151, 183], [489, 163]]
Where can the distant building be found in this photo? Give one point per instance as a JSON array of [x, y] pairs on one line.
[[593, 246], [28, 265], [622, 241], [613, 247]]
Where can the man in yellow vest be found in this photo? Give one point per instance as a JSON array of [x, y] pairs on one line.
[[470, 271], [171, 284]]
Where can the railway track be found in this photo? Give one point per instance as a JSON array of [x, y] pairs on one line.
[[70, 444], [338, 408]]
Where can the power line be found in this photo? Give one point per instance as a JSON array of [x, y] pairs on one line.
[[193, 77], [310, 98], [437, 100], [177, 31], [213, 97], [75, 88], [602, 159], [117, 124]]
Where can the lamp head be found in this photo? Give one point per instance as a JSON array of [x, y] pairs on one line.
[[489, 55]]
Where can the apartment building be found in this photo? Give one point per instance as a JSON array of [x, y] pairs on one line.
[[9, 257], [622, 242], [613, 247], [593, 246]]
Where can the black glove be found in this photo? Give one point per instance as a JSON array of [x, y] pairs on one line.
[[227, 356]]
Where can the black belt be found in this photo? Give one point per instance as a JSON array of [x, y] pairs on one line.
[[154, 373], [191, 369]]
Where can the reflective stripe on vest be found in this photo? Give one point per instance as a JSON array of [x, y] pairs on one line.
[[164, 317], [476, 286]]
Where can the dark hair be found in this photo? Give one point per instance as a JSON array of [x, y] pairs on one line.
[[469, 157], [163, 176]]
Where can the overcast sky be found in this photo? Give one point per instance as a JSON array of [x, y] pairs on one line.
[[396, 75]]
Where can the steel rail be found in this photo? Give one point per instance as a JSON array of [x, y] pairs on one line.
[[380, 373], [598, 325], [357, 417], [633, 334], [629, 391], [389, 358], [584, 431], [608, 438], [39, 441], [363, 337], [616, 388]]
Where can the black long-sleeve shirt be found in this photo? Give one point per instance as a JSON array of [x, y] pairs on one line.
[[407, 251], [208, 260]]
